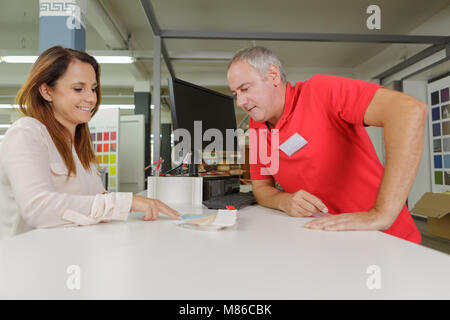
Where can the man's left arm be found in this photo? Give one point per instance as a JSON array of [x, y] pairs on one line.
[[403, 119]]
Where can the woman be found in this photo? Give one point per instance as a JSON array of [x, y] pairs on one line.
[[48, 174]]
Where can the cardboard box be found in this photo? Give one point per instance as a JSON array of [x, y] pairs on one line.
[[436, 207]]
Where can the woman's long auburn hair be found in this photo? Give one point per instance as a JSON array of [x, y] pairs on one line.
[[48, 68]]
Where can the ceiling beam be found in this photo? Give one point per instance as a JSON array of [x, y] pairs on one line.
[[410, 61], [298, 36], [100, 20], [151, 18], [114, 34]]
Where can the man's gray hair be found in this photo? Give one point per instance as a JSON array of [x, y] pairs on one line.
[[260, 58]]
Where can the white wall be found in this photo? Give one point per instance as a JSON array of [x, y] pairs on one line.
[[376, 134]]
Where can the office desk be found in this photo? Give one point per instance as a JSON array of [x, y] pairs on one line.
[[266, 255]]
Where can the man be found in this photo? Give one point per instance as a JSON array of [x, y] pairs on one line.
[[337, 170]]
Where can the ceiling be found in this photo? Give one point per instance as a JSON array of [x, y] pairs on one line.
[[204, 61]]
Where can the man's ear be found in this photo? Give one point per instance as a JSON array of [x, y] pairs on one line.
[[273, 74], [44, 90]]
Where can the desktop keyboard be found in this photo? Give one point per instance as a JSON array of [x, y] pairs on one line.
[[238, 200]]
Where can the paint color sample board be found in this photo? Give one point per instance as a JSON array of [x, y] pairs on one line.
[[439, 124], [104, 127]]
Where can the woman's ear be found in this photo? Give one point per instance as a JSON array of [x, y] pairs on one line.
[[44, 90]]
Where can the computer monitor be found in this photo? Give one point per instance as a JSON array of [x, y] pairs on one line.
[[190, 103]]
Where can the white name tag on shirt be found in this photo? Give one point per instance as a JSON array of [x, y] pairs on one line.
[[293, 144]]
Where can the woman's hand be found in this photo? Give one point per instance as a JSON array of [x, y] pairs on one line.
[[152, 207]]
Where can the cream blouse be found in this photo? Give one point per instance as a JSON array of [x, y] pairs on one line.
[[35, 192]]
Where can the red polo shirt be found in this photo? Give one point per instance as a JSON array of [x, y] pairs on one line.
[[339, 164]]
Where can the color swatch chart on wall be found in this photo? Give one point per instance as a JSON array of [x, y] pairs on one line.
[[105, 148], [439, 100], [104, 129]]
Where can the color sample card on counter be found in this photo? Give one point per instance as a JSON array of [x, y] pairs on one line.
[[439, 120], [216, 221]]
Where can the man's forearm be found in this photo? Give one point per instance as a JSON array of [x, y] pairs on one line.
[[271, 197], [404, 137]]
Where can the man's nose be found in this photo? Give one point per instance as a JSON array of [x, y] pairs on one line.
[[241, 101]]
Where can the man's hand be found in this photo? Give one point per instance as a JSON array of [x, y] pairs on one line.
[[301, 204], [365, 220]]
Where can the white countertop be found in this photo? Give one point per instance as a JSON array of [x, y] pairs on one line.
[[266, 255]]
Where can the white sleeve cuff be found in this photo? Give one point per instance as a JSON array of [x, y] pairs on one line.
[[112, 206], [123, 205]]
